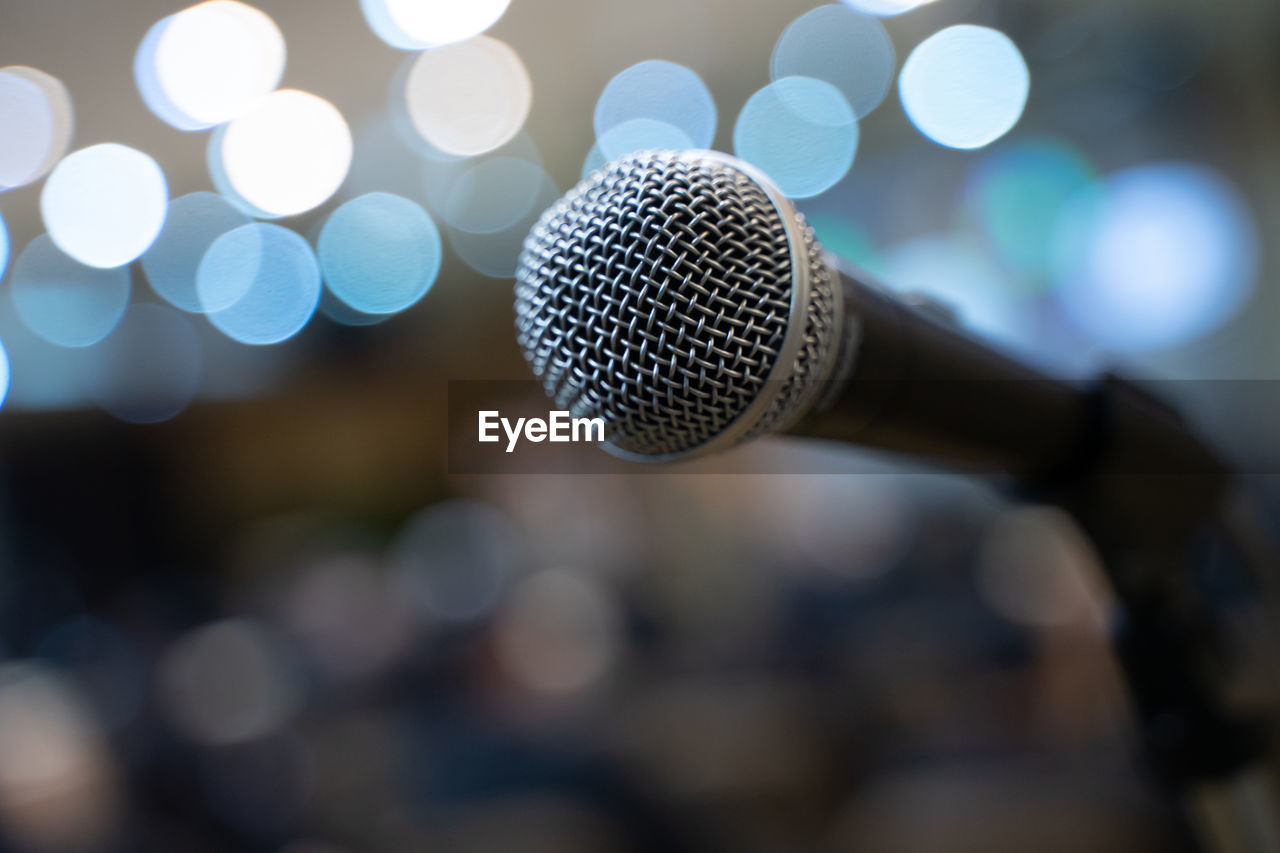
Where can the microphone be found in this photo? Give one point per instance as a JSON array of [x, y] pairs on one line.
[[680, 297]]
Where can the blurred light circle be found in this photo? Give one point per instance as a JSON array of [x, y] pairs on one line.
[[640, 134], [226, 683], [287, 154], [419, 24], [455, 558], [963, 280], [259, 283], [4, 374], [379, 253], [1016, 196], [42, 376], [104, 205], [148, 369], [558, 632], [884, 8], [4, 247], [63, 301], [470, 97], [658, 91], [493, 193], [36, 126], [495, 254], [206, 64], [1155, 256], [801, 132], [195, 220], [850, 51], [965, 86]]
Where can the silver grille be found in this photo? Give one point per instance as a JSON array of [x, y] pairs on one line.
[[658, 295]]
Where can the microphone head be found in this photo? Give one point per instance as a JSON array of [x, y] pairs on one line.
[[680, 297]]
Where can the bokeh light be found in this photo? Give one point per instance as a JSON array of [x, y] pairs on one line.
[[637, 134], [5, 373], [105, 204], [495, 254], [455, 558], [850, 51], [227, 682], [259, 283], [149, 368], [1015, 197], [962, 279], [658, 91], [839, 234], [801, 132], [885, 8], [468, 98], [493, 193], [420, 24], [1155, 256], [63, 301], [557, 632], [379, 253], [195, 220], [287, 154], [206, 64], [59, 786], [4, 247], [965, 87], [43, 376], [37, 124]]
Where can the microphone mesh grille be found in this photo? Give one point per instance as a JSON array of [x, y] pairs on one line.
[[656, 295]]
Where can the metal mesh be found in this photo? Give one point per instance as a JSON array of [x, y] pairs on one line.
[[657, 295]]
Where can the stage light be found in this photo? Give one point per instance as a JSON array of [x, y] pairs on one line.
[[420, 24], [63, 301], [1015, 197], [286, 155], [1155, 256], [104, 205], [148, 369], [491, 194], [455, 558], [195, 220], [801, 132], [259, 283], [228, 682], [468, 98], [850, 51], [662, 94], [637, 134], [379, 253], [965, 87], [37, 124], [207, 64]]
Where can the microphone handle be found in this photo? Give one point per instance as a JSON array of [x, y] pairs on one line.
[[915, 385]]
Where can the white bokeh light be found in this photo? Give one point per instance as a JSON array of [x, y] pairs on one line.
[[468, 98], [207, 64], [286, 155], [105, 204], [965, 87], [885, 8], [35, 124], [419, 24]]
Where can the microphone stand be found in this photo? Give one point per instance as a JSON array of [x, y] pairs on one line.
[[1145, 489]]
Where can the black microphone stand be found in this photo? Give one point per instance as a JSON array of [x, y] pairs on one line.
[[1145, 489]]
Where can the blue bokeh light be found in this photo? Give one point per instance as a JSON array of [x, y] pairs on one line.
[[5, 373], [43, 376], [801, 132], [1155, 256], [965, 86], [495, 254], [379, 253], [149, 368], [63, 301], [195, 221], [1015, 197], [4, 247], [259, 283], [659, 91], [492, 193], [638, 134], [850, 51]]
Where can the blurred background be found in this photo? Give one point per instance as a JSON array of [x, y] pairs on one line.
[[245, 248]]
